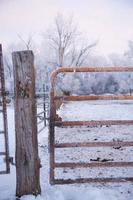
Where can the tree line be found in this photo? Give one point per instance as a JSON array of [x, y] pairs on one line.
[[64, 45]]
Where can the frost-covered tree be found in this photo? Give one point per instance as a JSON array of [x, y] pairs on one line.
[[8, 68], [70, 84], [112, 85], [129, 53], [67, 45]]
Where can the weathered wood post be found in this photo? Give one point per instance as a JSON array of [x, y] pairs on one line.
[[27, 160]]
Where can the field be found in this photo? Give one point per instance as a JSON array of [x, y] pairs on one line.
[[95, 110]]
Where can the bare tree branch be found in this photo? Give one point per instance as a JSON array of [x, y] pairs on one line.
[[83, 53], [27, 43], [64, 39]]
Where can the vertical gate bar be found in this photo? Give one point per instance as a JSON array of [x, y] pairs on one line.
[[52, 136], [4, 110]]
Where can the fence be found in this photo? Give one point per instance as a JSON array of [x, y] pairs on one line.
[[55, 121], [3, 117], [43, 108]]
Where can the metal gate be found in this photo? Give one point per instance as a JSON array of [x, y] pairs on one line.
[[4, 147], [56, 121]]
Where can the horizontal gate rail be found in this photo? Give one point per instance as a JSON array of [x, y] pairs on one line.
[[93, 144], [93, 123], [1, 132], [56, 121], [3, 172], [2, 153], [92, 180], [94, 164], [93, 97]]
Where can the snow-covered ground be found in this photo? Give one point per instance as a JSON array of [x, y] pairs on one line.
[[80, 111], [97, 110]]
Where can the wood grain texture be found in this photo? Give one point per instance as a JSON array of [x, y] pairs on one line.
[[27, 160]]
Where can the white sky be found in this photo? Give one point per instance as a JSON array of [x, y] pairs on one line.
[[109, 21]]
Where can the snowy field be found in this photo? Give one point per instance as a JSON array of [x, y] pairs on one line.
[[95, 110]]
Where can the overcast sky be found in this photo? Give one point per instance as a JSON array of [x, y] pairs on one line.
[[109, 21]]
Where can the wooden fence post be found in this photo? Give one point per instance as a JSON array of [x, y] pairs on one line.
[[27, 160]]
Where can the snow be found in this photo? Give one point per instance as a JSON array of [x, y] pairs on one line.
[[98, 110], [98, 191]]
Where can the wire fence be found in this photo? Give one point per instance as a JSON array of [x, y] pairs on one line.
[[43, 102]]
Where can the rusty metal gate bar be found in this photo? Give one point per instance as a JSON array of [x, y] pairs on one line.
[[55, 121], [4, 113]]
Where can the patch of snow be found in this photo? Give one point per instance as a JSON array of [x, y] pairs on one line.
[[94, 191], [96, 110]]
